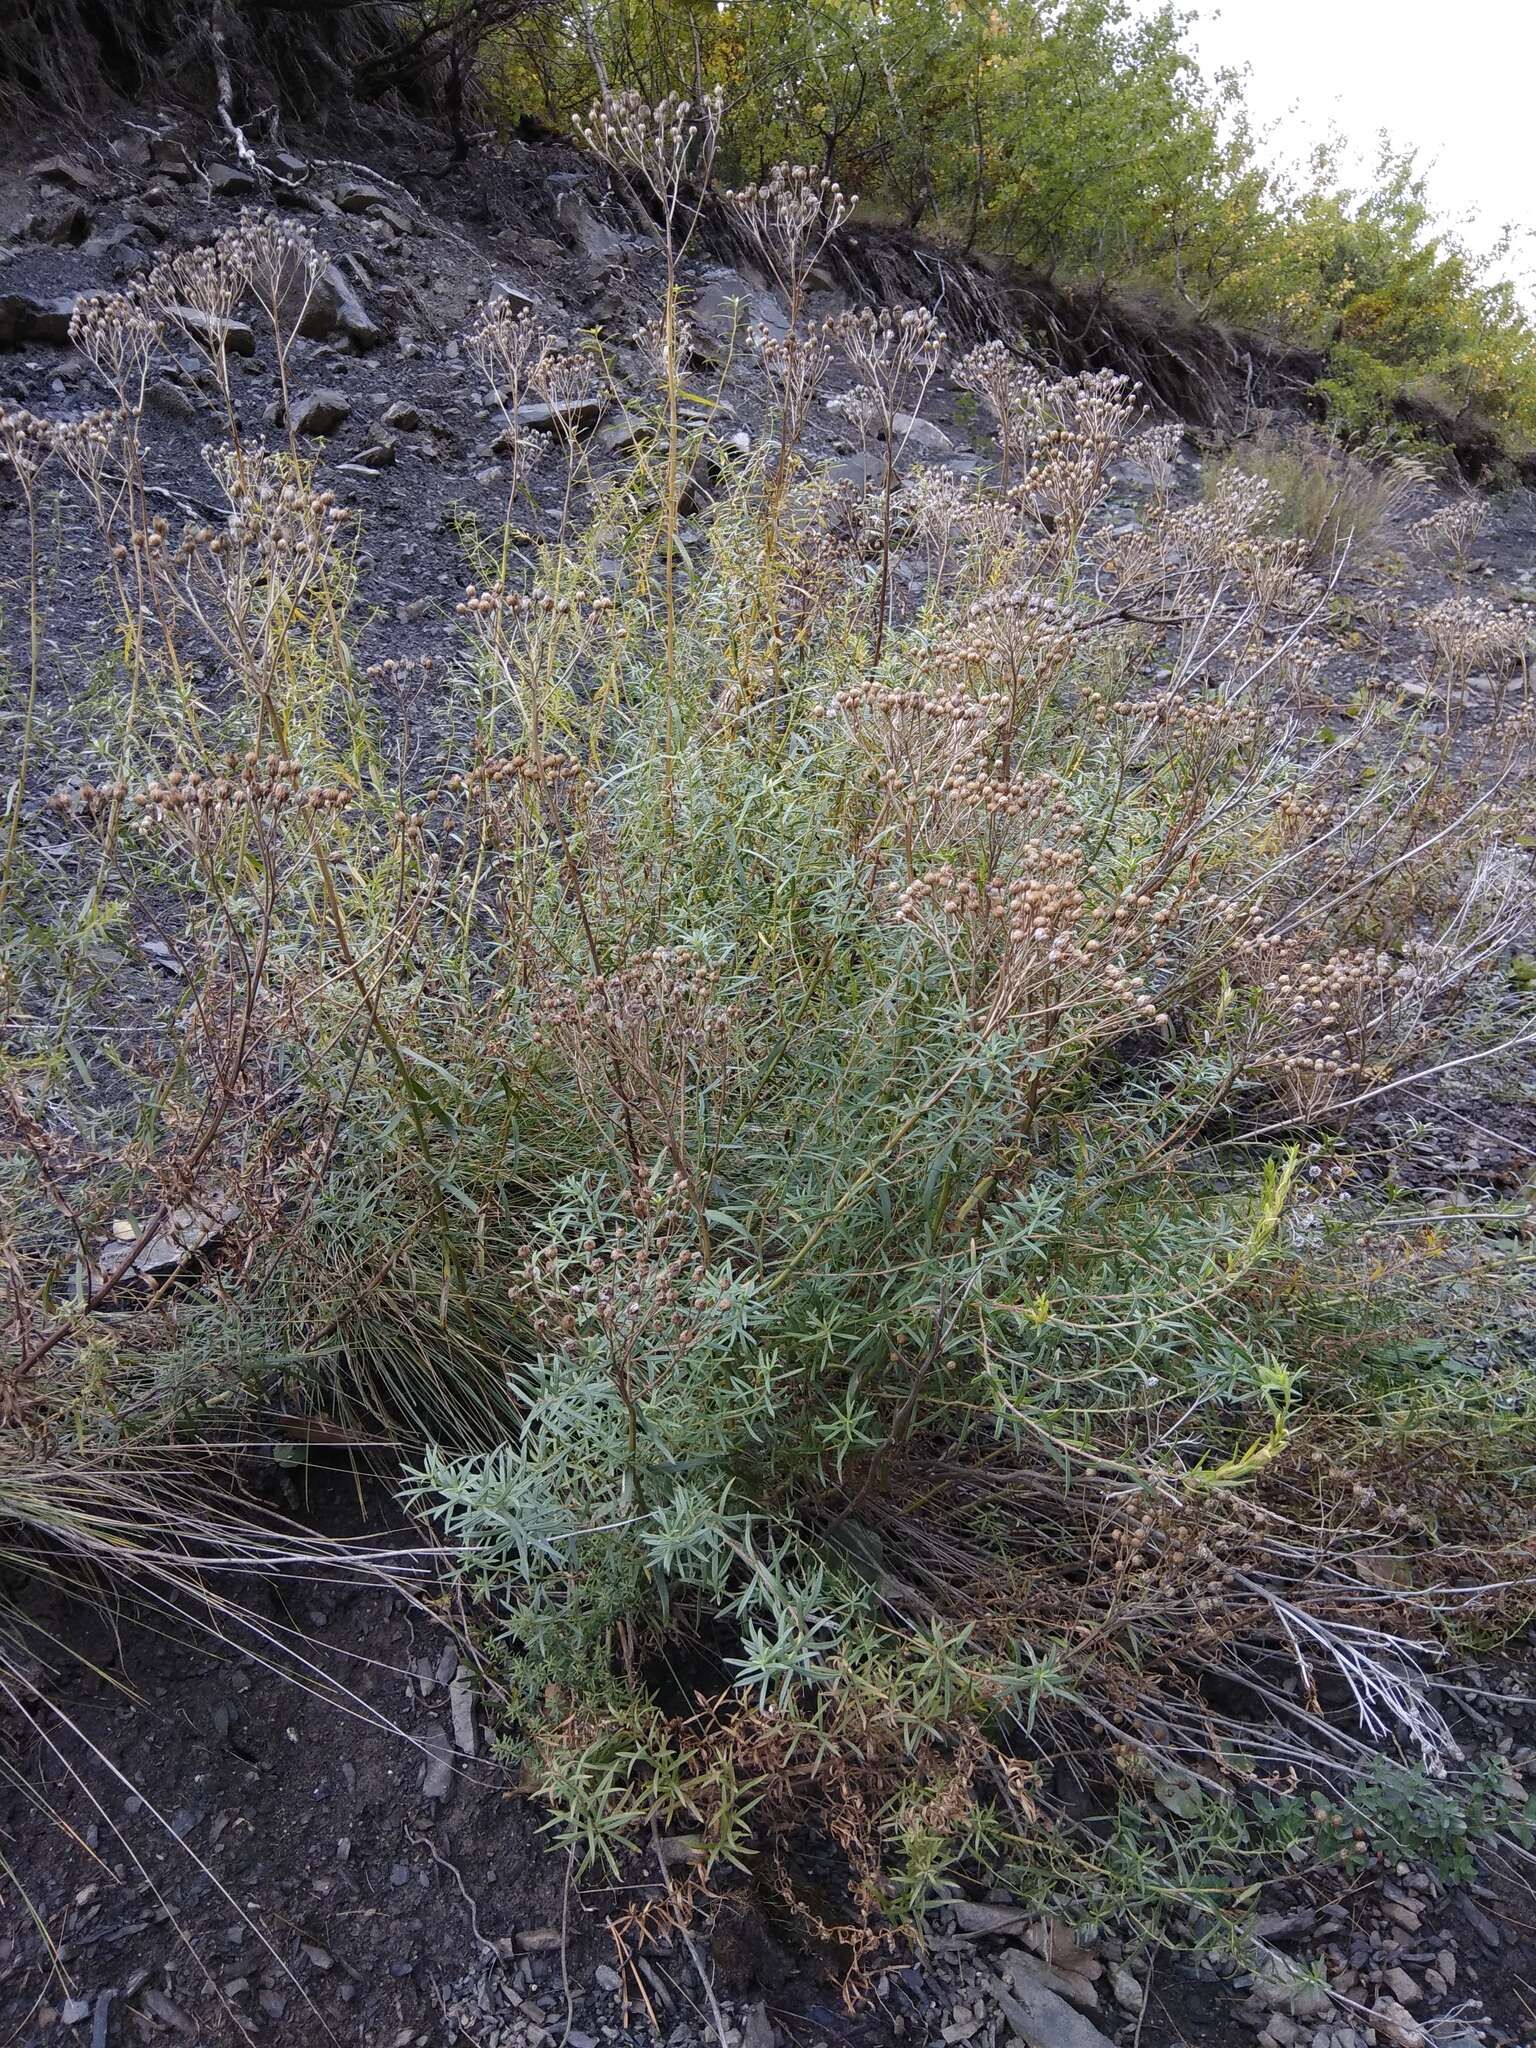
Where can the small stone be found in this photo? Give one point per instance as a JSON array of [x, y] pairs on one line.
[[332, 307], [236, 1987], [1128, 1994], [380, 455], [757, 2030], [320, 413], [232, 336], [75, 2010], [1042, 2020], [1280, 1984], [1485, 1930], [23, 318], [230, 181], [437, 1778], [1397, 2024], [67, 171], [65, 223], [979, 1916], [574, 416], [1445, 1963], [358, 196], [1406, 1917], [913, 432], [461, 1694], [503, 293], [404, 416], [606, 1978]]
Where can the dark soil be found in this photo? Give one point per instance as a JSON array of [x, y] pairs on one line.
[[215, 1832], [216, 1835]]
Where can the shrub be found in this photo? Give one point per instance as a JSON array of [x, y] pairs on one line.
[[785, 1074]]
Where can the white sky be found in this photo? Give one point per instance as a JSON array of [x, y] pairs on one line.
[[1455, 78]]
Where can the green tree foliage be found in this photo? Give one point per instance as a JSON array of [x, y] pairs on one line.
[[1081, 140], [1395, 299]]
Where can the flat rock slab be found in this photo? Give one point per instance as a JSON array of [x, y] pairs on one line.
[[1042, 2019]]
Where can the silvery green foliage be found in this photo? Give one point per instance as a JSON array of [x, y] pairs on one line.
[[603, 1499]]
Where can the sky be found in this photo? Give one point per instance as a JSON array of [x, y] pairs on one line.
[[1455, 78]]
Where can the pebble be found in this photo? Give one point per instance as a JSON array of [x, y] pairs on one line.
[[461, 1701], [1397, 2024], [1128, 1994], [437, 1778], [1479, 1922], [756, 2028]]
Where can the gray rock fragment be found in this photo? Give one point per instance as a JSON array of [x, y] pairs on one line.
[[320, 412], [333, 307], [921, 434], [230, 181], [68, 172], [232, 336], [461, 1702], [356, 195], [572, 416], [437, 1778], [1043, 2020], [757, 2030], [24, 318]]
